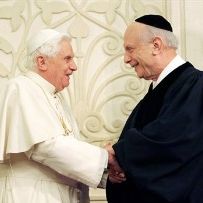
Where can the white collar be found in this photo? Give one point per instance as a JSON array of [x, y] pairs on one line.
[[175, 63], [44, 84]]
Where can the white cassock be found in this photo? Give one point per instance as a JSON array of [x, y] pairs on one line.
[[43, 161]]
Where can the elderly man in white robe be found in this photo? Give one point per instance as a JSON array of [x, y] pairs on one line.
[[42, 158]]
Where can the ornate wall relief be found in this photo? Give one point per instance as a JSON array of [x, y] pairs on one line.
[[104, 90]]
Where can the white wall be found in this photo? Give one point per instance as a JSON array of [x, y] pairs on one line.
[[103, 91]]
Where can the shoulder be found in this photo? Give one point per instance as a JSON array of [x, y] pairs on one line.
[[189, 82], [19, 90], [189, 76], [22, 84], [16, 83]]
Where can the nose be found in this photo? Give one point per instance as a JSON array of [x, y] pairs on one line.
[[127, 58], [73, 66]]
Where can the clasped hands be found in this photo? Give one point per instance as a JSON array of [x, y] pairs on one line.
[[115, 173]]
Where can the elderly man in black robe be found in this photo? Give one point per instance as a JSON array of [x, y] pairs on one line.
[[161, 146]]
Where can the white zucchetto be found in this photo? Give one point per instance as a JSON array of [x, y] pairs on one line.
[[41, 38]]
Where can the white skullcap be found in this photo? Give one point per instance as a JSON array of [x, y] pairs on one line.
[[41, 38]]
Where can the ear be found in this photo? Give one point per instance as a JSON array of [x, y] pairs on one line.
[[41, 63], [157, 45]]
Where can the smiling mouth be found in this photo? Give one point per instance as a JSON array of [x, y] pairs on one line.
[[67, 76], [134, 65]]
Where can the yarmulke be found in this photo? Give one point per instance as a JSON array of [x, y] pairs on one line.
[[155, 21], [41, 38]]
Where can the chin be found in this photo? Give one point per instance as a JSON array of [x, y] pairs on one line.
[[140, 75], [66, 85]]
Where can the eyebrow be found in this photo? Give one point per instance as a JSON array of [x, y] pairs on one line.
[[68, 57], [128, 47]]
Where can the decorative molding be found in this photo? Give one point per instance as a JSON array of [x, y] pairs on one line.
[[104, 90]]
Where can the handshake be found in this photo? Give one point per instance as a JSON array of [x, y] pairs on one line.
[[115, 173]]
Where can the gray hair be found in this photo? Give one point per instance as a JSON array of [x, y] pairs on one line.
[[168, 37], [49, 49]]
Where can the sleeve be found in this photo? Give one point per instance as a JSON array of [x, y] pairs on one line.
[[103, 181], [70, 157]]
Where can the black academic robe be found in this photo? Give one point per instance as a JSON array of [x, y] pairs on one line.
[[161, 146]]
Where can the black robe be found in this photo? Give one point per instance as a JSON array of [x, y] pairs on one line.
[[161, 146]]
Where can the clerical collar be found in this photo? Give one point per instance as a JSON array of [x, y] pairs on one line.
[[175, 63], [44, 84]]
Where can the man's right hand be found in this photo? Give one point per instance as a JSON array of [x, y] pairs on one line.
[[116, 174]]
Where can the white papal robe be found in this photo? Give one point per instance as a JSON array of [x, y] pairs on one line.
[[42, 162]]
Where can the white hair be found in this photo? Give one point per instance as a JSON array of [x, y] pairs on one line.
[[168, 37], [49, 49]]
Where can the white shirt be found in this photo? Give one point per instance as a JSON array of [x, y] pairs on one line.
[[175, 63]]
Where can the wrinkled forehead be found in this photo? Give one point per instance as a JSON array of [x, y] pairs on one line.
[[130, 34], [133, 33], [66, 47]]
